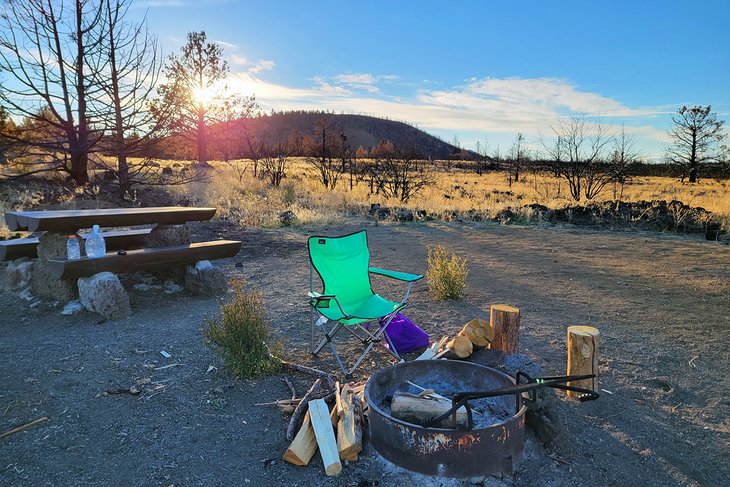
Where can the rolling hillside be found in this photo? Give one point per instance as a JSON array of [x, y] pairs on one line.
[[360, 130]]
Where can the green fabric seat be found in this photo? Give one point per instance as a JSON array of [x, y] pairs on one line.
[[347, 299]]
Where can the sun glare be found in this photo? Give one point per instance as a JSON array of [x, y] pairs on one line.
[[203, 95]]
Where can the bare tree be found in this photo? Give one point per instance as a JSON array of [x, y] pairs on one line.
[[126, 69], [624, 156], [231, 131], [325, 160], [483, 160], [275, 162], [6, 143], [255, 147], [44, 48], [578, 155], [400, 171], [696, 132], [517, 159]]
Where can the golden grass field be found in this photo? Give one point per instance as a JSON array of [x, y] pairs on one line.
[[254, 202]]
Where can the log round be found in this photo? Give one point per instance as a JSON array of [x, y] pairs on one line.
[[505, 321], [583, 356]]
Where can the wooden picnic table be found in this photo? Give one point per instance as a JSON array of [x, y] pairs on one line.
[[70, 221]]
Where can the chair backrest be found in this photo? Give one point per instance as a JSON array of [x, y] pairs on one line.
[[342, 263]]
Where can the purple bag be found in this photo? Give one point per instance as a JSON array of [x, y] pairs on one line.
[[405, 335]]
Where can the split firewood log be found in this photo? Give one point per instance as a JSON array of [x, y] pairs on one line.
[[479, 332], [459, 348]]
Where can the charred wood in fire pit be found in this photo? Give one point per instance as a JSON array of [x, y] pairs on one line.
[[419, 409]]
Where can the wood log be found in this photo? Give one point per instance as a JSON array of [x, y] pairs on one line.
[[478, 332], [320, 417], [505, 320], [460, 347], [349, 432], [582, 356], [433, 350], [304, 445], [301, 408], [418, 409]]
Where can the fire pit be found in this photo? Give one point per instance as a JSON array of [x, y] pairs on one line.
[[493, 446]]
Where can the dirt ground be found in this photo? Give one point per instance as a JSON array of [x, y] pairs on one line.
[[661, 302]]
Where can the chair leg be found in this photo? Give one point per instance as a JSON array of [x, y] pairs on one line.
[[369, 341], [327, 336]]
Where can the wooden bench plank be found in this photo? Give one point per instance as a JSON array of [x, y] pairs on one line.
[[115, 240], [162, 257], [68, 221]]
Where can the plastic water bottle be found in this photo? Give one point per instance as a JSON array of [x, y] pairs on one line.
[[73, 250], [95, 245]]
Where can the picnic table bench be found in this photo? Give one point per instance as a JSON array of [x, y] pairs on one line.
[[115, 240], [59, 224]]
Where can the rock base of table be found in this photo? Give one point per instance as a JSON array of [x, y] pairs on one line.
[[16, 275], [205, 279], [168, 236], [103, 293], [44, 285]]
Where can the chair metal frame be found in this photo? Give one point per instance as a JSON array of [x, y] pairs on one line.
[[367, 337]]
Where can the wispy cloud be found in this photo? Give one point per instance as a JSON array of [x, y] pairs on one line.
[[262, 65], [237, 60], [500, 106], [228, 45], [361, 81]]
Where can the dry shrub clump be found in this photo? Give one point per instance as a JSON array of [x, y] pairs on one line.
[[446, 273], [240, 334]]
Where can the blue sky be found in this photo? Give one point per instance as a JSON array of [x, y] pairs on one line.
[[475, 70]]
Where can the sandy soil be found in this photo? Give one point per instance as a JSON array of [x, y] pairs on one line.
[[662, 304]]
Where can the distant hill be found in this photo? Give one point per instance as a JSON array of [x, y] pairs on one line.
[[360, 130]]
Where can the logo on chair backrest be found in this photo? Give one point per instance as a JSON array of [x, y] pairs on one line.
[[321, 241]]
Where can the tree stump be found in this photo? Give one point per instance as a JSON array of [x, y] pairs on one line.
[[582, 356], [505, 321]]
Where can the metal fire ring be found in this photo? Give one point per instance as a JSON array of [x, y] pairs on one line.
[[494, 449]]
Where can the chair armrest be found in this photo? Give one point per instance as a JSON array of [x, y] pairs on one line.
[[401, 276], [318, 296]]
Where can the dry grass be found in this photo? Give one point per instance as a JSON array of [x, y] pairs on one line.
[[253, 202]]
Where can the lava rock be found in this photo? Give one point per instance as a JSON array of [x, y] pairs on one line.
[[17, 275], [168, 235], [404, 216], [287, 217], [104, 294], [206, 279]]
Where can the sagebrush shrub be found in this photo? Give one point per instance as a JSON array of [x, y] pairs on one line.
[[288, 195], [446, 274], [240, 333]]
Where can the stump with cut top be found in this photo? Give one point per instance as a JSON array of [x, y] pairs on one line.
[[583, 356]]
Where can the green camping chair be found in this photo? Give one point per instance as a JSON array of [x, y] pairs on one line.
[[347, 299]]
